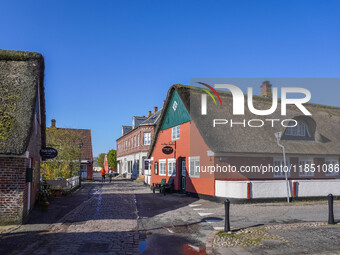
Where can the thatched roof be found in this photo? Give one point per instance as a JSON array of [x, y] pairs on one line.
[[20, 75], [223, 139]]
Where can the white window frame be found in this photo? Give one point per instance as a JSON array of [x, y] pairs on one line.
[[300, 129], [174, 106], [138, 140], [160, 164], [279, 161], [302, 162], [147, 140], [171, 167], [331, 161], [194, 162], [175, 133]]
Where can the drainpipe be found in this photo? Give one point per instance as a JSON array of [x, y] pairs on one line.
[[278, 137]]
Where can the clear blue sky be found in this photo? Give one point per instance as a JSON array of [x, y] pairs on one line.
[[109, 60]]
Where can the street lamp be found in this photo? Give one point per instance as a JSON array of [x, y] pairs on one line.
[[278, 137]]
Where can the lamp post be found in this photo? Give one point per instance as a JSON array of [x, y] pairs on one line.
[[80, 145], [278, 137]]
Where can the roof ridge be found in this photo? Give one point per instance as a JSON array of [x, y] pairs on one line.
[[13, 55], [87, 129], [256, 97]]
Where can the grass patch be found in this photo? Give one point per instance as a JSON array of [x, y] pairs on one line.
[[244, 237]]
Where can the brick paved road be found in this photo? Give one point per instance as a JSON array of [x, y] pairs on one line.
[[120, 217], [106, 223]]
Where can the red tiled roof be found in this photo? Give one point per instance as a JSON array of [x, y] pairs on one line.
[[86, 141]]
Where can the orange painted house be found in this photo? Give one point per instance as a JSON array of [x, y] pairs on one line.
[[209, 161]]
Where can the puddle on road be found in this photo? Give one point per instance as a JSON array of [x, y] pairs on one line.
[[212, 219], [142, 246]]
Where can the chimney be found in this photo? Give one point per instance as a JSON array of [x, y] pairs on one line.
[[149, 114], [155, 109], [163, 104], [266, 89], [53, 123]]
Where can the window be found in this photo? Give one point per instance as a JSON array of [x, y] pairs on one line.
[[147, 138], [175, 133], [134, 141], [137, 164], [129, 167], [156, 167], [332, 166], [174, 105], [194, 167], [146, 165], [184, 170], [306, 167], [299, 130], [162, 167], [171, 167], [138, 139], [279, 170]]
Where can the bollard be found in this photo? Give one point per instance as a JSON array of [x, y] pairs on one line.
[[330, 210], [226, 220]]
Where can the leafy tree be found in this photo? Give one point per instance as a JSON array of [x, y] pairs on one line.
[[66, 164], [100, 160], [112, 159]]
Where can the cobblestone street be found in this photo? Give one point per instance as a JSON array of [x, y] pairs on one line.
[[106, 223], [125, 217]]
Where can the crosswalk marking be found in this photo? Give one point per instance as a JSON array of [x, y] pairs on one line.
[[205, 214], [195, 205]]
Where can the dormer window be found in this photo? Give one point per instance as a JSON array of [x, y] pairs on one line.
[[299, 130]]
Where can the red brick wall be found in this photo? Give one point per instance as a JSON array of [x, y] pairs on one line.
[[12, 188], [130, 137]]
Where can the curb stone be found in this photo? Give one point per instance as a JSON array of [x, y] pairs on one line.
[[209, 243]]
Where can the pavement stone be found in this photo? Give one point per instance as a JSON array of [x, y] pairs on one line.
[[106, 223]]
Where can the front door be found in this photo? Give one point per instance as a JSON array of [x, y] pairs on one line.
[[83, 170], [183, 174]]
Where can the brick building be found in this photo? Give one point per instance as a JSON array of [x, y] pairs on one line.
[[22, 132], [85, 144], [200, 150], [133, 145]]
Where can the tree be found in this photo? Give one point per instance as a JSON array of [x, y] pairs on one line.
[[67, 163], [100, 160], [112, 159]]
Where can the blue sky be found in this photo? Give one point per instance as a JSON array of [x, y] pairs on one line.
[[109, 60]]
